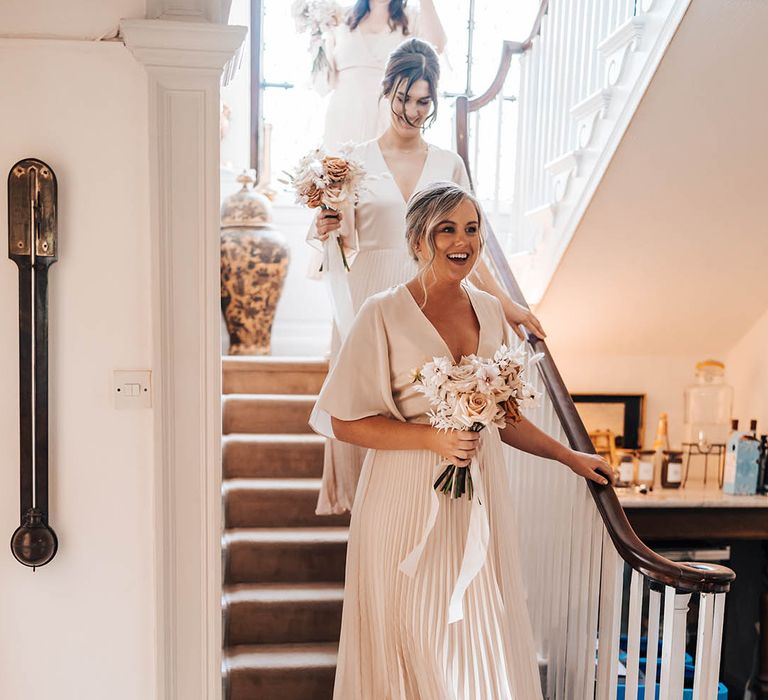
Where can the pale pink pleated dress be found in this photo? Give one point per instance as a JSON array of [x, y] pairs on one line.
[[396, 640], [375, 233]]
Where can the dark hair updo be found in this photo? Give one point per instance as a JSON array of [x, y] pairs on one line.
[[397, 14], [413, 60]]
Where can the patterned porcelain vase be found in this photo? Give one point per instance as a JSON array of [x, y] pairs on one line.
[[254, 263]]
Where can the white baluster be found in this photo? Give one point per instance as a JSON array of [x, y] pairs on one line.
[[519, 187], [610, 622], [716, 647], [544, 113], [591, 41], [569, 71], [701, 676], [673, 647], [596, 549], [633, 635], [652, 650], [558, 60]]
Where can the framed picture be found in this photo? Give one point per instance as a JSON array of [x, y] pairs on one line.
[[622, 414]]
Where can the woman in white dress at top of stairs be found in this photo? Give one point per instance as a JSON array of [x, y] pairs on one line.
[[434, 604], [399, 163], [357, 51]]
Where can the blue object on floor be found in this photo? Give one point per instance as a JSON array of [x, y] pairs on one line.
[[722, 691]]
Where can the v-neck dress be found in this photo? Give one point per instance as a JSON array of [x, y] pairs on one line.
[[401, 637], [355, 112], [374, 231]]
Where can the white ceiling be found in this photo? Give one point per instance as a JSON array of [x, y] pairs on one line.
[[672, 253]]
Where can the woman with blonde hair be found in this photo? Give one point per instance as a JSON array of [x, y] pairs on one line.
[[418, 622], [399, 163]]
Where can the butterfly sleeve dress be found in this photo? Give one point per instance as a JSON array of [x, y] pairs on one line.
[[374, 231], [434, 604]]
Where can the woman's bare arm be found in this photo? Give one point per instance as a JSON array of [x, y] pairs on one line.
[[430, 27], [525, 436], [381, 433]]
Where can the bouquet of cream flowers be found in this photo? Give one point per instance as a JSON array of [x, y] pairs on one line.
[[317, 17], [326, 182], [473, 394]]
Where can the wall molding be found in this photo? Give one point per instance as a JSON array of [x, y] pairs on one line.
[[605, 117], [184, 63]]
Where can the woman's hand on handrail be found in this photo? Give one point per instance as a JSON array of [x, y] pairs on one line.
[[518, 315], [592, 467]]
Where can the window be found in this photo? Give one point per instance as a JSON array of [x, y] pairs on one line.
[[293, 112]]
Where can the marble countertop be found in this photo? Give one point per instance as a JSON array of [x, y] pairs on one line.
[[688, 498]]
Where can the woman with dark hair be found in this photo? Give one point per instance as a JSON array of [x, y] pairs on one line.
[[399, 163], [357, 51], [434, 601]]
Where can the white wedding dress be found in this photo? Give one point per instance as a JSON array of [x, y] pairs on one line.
[[374, 231], [397, 640], [357, 61]]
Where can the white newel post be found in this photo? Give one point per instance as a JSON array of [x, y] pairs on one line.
[[184, 63]]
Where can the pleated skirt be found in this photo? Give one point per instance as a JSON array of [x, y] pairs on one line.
[[373, 271], [396, 643]]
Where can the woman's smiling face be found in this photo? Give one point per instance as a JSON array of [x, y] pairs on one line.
[[415, 106], [457, 244]]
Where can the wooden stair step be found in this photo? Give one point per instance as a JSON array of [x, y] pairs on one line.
[[273, 456], [282, 613], [267, 413], [289, 555], [275, 503], [273, 375], [280, 672]]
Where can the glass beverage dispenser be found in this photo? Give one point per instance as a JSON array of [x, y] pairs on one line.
[[708, 406]]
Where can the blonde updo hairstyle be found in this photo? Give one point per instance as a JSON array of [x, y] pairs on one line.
[[426, 209]]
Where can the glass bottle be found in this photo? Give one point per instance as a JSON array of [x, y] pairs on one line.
[[672, 471], [625, 473], [644, 469], [708, 406], [660, 449]]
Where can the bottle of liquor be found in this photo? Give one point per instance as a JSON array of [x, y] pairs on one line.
[[742, 463], [753, 428], [762, 478], [660, 449]]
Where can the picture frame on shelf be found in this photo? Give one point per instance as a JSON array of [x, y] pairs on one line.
[[622, 414]]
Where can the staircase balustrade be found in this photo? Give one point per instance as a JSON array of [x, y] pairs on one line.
[[587, 573]]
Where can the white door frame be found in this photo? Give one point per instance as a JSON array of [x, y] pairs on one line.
[[184, 62]]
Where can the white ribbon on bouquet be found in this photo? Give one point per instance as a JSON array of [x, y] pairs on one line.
[[337, 284], [475, 549]]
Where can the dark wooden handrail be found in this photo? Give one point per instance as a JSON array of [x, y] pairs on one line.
[[660, 570]]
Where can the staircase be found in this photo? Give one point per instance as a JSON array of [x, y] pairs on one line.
[[283, 565]]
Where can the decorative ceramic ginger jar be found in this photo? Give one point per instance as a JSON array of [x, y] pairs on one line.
[[254, 263]]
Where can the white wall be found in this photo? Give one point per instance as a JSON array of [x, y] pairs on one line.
[[748, 370], [81, 628], [661, 378]]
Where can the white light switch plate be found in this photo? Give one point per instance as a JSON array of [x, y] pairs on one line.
[[132, 388]]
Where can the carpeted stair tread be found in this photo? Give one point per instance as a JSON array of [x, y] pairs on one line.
[[273, 375], [277, 555], [267, 413], [282, 613], [286, 672], [275, 503], [275, 455]]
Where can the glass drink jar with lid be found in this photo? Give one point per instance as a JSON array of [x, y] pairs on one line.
[[708, 406]]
